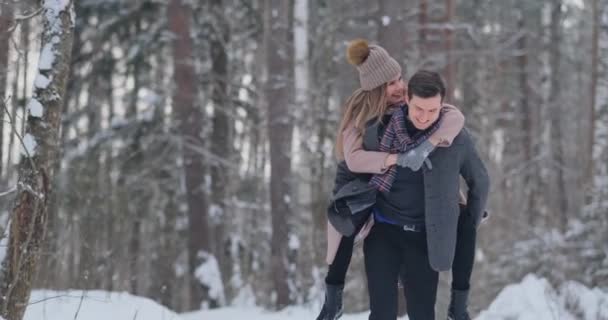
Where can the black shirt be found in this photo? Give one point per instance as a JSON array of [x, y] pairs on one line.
[[404, 203]]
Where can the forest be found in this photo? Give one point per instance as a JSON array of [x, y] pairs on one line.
[[183, 151]]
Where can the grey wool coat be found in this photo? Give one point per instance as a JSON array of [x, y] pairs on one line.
[[441, 192]]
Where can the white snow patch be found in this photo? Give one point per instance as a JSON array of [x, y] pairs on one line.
[[42, 82], [386, 20], [96, 305], [56, 5], [294, 242], [257, 313], [29, 145], [35, 108], [245, 297], [209, 274], [179, 269], [52, 9], [215, 212], [47, 57], [590, 304], [534, 298], [3, 244], [103, 305]]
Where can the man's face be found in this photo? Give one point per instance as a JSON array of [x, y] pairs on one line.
[[395, 91], [423, 112]]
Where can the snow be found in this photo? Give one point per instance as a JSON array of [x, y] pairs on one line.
[[29, 145], [3, 243], [208, 273], [35, 108], [215, 213], [256, 313], [245, 297], [47, 57], [52, 8], [96, 305], [532, 298], [386, 20], [294, 242], [42, 82]]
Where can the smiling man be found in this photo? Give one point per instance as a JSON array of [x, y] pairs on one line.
[[417, 214]]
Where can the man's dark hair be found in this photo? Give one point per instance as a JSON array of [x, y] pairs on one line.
[[425, 84]]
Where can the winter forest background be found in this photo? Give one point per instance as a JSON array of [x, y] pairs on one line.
[[189, 158]]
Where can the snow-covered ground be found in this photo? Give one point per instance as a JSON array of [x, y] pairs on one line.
[[532, 298]]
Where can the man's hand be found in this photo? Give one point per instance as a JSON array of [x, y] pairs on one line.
[[414, 158]]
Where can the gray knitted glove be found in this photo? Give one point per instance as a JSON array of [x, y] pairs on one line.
[[414, 158]]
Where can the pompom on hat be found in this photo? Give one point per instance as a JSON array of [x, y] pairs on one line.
[[376, 67]]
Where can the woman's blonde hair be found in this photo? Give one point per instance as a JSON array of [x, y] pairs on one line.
[[359, 108]]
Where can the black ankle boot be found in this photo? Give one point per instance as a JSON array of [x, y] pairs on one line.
[[332, 306], [458, 305]]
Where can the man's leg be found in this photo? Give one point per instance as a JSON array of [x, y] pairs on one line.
[[382, 264], [334, 281], [462, 268], [419, 279]]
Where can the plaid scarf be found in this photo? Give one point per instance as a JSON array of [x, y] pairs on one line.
[[396, 139]]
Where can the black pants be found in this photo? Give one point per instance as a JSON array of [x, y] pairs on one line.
[[461, 268], [390, 253]]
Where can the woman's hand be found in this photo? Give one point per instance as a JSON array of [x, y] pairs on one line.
[[390, 161]]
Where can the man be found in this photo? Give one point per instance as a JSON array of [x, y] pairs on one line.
[[417, 216]]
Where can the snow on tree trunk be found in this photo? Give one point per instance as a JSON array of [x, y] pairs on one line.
[[39, 150]]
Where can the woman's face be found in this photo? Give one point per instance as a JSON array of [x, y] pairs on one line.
[[395, 90]]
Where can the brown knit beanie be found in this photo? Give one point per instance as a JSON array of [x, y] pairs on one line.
[[374, 64]]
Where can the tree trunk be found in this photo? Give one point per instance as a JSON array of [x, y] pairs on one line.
[[392, 29], [188, 118], [526, 115], [5, 22], [36, 168], [222, 138], [561, 198], [450, 66], [595, 39], [276, 39]]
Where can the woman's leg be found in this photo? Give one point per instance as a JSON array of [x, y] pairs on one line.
[[462, 268], [464, 256], [334, 281], [336, 273], [382, 265]]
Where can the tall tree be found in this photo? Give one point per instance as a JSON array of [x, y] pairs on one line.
[[555, 105], [40, 144], [595, 41], [188, 116], [276, 42], [5, 23], [222, 136]]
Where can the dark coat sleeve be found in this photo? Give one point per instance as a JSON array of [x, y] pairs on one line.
[[476, 176]]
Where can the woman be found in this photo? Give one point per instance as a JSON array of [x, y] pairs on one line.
[[381, 88]]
